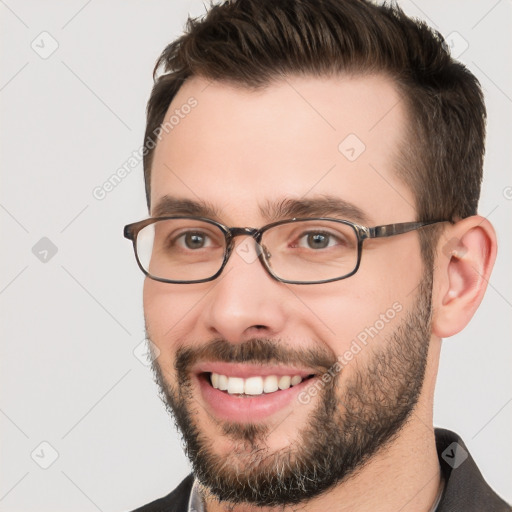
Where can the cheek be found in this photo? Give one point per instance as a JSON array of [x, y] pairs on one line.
[[168, 313], [350, 320], [364, 311]]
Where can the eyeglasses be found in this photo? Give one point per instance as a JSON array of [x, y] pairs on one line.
[[295, 251]]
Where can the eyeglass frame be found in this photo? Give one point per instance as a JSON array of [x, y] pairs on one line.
[[363, 233]]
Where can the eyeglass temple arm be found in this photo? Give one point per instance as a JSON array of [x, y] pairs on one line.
[[128, 232], [398, 229]]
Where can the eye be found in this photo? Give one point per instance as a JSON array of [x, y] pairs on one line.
[[193, 240], [317, 240]]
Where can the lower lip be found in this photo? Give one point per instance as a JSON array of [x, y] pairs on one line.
[[247, 408]]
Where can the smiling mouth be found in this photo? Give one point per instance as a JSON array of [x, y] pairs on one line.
[[254, 385]]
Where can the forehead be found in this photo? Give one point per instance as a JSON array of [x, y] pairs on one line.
[[241, 151]]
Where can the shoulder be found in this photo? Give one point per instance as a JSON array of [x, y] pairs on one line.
[[465, 487], [175, 501]]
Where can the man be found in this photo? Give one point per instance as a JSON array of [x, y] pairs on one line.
[[312, 174]]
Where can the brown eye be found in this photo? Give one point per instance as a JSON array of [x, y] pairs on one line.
[[194, 240], [318, 240]]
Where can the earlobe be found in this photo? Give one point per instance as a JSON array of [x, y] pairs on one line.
[[464, 263]]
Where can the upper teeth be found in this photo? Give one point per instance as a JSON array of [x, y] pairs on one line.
[[253, 385]]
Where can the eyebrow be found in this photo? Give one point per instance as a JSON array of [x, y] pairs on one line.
[[169, 205], [322, 206]]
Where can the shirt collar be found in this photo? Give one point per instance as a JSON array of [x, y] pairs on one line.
[[195, 501]]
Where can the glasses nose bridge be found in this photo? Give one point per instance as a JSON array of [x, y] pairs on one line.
[[252, 232]]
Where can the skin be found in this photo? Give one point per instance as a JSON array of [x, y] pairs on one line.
[[239, 149]]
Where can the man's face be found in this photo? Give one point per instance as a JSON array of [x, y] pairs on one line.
[[244, 153]]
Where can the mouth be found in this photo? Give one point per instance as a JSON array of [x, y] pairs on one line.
[[249, 393], [255, 385]]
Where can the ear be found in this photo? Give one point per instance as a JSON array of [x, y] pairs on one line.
[[465, 257]]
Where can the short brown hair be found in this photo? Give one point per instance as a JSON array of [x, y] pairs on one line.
[[253, 43]]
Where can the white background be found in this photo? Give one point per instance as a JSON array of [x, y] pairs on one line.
[[68, 373]]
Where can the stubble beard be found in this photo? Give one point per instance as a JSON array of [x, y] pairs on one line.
[[348, 425]]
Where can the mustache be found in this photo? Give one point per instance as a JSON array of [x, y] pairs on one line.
[[255, 350]]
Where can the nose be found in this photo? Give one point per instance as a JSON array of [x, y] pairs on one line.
[[245, 301]]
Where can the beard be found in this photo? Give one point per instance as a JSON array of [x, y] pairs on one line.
[[349, 424]]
